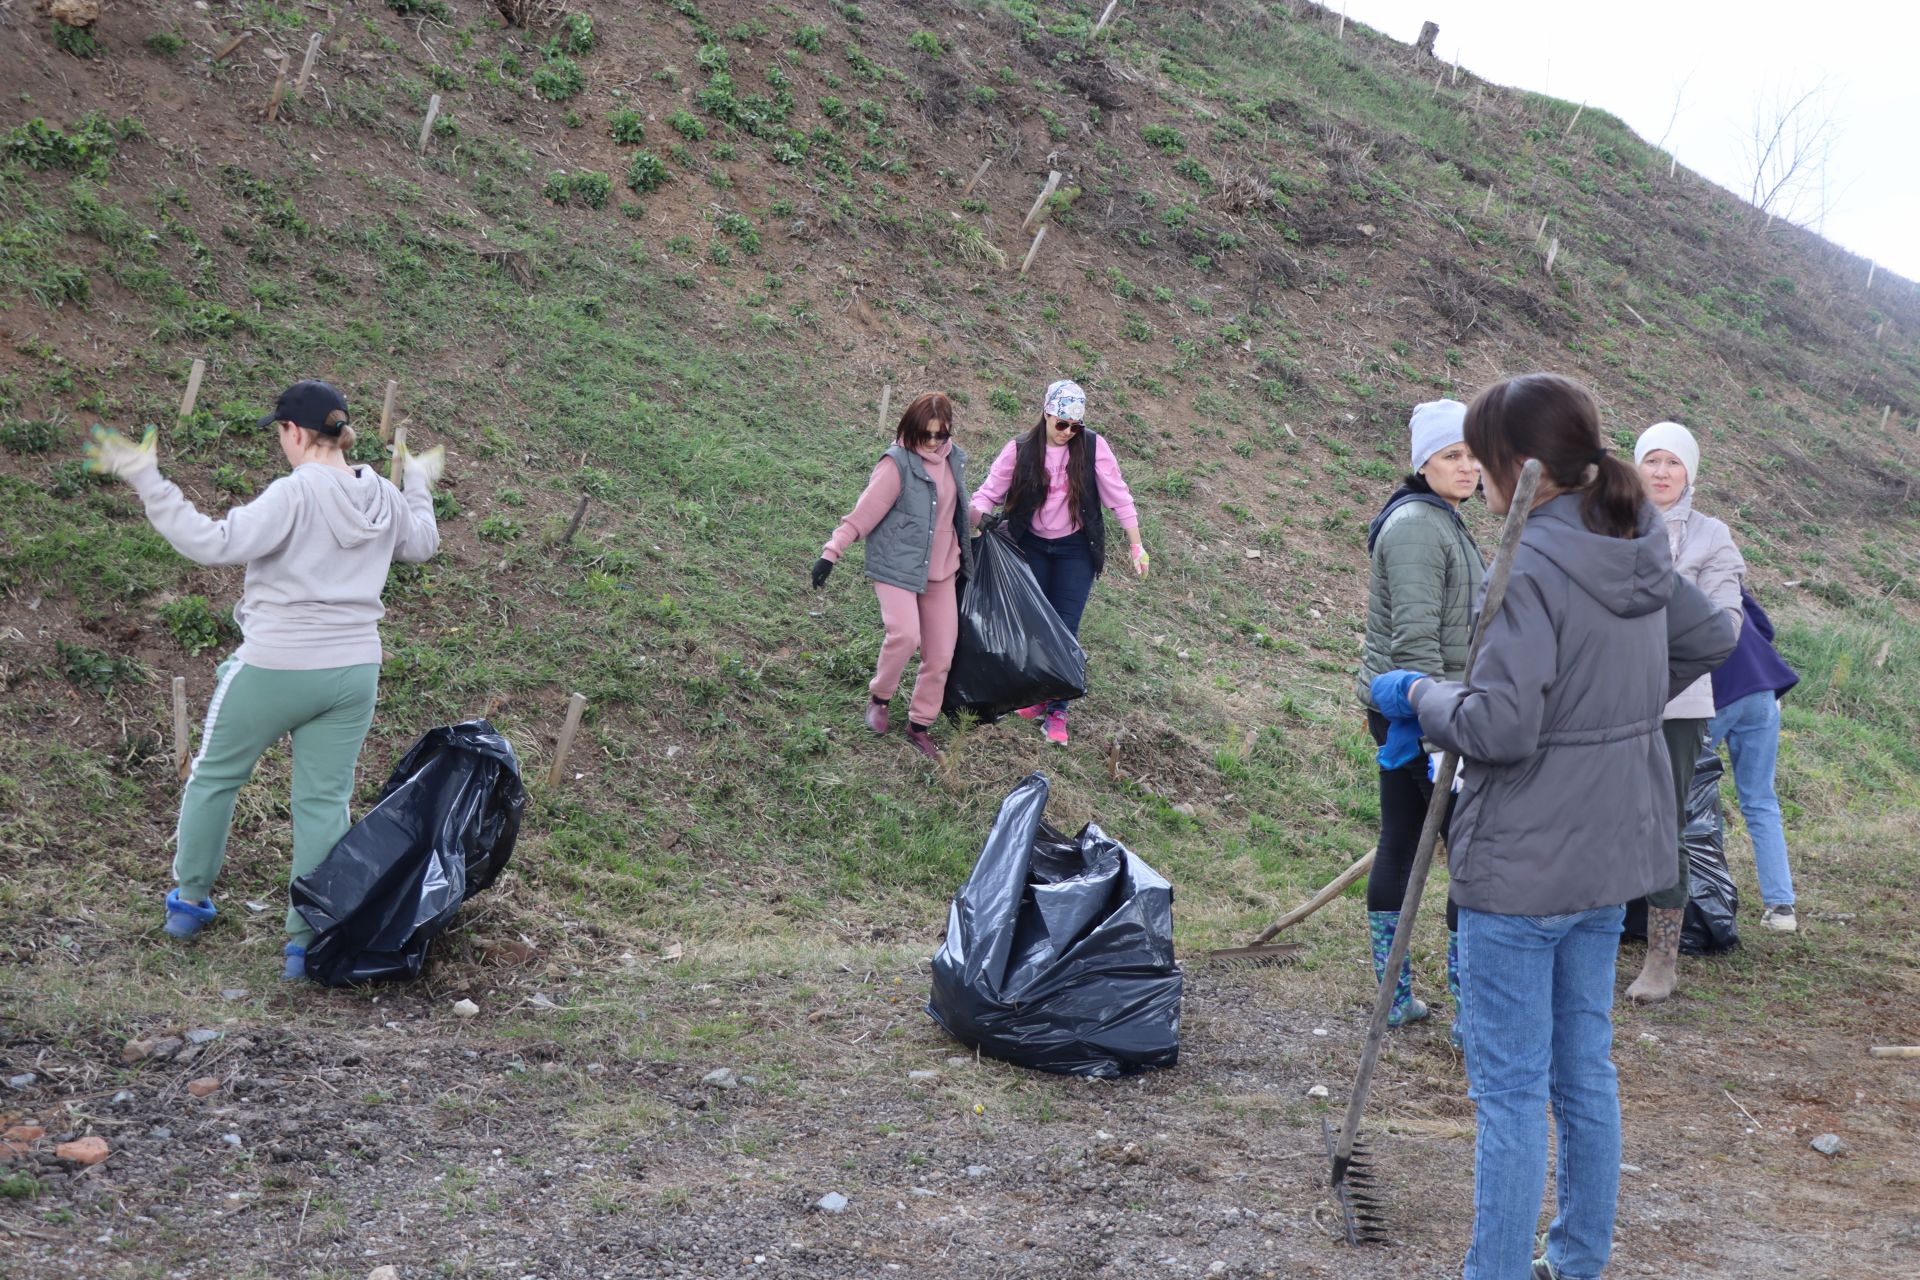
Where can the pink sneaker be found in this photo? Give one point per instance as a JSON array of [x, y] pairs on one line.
[[1057, 728], [1033, 712]]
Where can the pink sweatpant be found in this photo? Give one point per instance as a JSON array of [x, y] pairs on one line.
[[929, 622]]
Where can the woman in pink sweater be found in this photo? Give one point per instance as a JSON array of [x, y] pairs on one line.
[[1053, 481], [915, 527]]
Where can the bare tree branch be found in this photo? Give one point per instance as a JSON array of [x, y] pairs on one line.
[[1789, 143]]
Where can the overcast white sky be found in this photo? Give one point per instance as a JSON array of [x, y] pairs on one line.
[[1631, 56]]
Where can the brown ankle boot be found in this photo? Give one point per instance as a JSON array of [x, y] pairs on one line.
[[1659, 973]]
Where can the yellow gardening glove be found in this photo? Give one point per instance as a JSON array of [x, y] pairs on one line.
[[429, 466], [111, 454]]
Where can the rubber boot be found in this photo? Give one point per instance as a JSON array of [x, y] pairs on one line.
[[1455, 1035], [1660, 971], [1405, 1008]]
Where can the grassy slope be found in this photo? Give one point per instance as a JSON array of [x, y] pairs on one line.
[[704, 360]]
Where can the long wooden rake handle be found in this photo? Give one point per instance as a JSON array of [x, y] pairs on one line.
[[1430, 831], [1334, 888]]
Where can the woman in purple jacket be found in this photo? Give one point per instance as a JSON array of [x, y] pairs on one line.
[[1746, 702]]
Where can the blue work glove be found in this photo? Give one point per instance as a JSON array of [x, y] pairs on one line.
[[1403, 726]]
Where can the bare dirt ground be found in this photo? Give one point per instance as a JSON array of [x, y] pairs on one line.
[[349, 1132]]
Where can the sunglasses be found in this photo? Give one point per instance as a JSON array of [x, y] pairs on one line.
[[1071, 428], [946, 434]]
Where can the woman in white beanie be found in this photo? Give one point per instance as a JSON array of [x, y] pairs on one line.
[[1053, 481], [1703, 554], [1425, 583]]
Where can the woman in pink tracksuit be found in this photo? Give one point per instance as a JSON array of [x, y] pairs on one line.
[[1053, 481], [912, 516]]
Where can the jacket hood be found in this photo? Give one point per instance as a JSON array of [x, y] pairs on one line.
[[1628, 577], [357, 506], [1401, 497]]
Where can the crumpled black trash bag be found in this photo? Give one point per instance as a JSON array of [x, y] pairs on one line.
[[1709, 925], [1713, 904], [442, 832], [1059, 950], [1013, 650]]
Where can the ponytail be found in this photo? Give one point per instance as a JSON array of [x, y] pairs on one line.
[[1612, 500], [1555, 419]]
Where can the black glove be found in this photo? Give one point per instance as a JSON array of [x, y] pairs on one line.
[[821, 568]]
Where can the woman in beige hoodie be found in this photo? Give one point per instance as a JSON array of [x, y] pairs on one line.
[[1703, 554], [317, 544]]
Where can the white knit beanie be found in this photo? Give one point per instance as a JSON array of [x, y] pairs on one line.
[[1436, 425], [1676, 440]]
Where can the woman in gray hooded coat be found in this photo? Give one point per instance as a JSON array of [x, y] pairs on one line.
[[1567, 812]]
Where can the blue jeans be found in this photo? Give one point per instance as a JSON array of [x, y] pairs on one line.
[[1536, 998], [1064, 569], [1751, 730]]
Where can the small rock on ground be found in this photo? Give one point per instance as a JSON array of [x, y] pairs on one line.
[[832, 1202], [88, 1150], [721, 1078], [1828, 1144], [384, 1273], [203, 1087], [922, 1077]]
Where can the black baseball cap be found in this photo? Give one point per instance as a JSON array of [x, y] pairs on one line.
[[313, 405]]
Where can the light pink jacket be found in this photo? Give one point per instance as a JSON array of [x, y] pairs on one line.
[[1054, 519]]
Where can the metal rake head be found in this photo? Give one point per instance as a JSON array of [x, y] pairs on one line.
[[1362, 1214]]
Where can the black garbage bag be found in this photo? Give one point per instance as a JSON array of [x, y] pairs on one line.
[[1013, 650], [442, 832], [1709, 925], [1059, 950]]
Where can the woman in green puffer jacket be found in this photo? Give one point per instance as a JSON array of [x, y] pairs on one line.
[[1425, 584]]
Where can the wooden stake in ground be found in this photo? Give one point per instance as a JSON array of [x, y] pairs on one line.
[[306, 66], [1488, 202], [180, 761], [1574, 121], [1553, 251], [1105, 18], [386, 410], [573, 525], [1038, 236], [1871, 268], [1053, 180], [576, 705], [399, 451], [886, 401], [1340, 32], [426, 126], [232, 44], [272, 109], [1886, 411], [194, 375], [978, 174], [1895, 1051], [1541, 229]]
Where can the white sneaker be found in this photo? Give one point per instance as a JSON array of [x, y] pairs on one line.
[[1779, 919]]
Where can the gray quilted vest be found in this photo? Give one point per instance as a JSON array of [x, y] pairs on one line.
[[900, 548]]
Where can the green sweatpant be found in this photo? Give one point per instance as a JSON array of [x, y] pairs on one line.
[[328, 712], [1683, 753]]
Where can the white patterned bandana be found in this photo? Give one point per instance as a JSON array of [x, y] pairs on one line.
[[1066, 400]]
